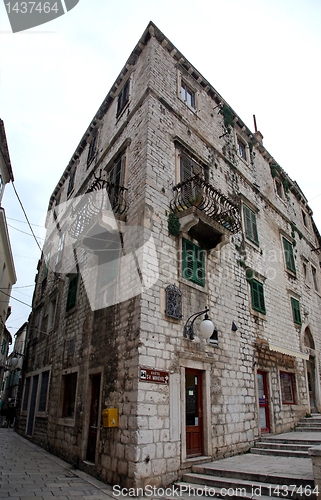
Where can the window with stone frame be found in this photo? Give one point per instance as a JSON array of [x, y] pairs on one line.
[[26, 394], [115, 177], [188, 95], [315, 278], [289, 255], [43, 394], [250, 225], [296, 312], [72, 292], [123, 98], [257, 296], [52, 307], [69, 388], [71, 183], [242, 149], [92, 148], [279, 188], [287, 382], [193, 263]]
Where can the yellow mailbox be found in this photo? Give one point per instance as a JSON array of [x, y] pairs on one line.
[[110, 417]]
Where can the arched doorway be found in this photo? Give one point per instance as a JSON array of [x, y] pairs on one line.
[[311, 370]]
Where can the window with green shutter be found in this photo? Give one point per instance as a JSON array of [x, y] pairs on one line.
[[296, 311], [257, 296], [193, 263], [72, 292], [250, 225], [289, 256]]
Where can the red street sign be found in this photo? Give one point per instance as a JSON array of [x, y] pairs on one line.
[[155, 376]]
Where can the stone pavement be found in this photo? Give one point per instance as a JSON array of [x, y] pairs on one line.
[[27, 472]]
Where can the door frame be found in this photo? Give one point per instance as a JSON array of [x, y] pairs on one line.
[[265, 374], [206, 384], [86, 410], [188, 428]]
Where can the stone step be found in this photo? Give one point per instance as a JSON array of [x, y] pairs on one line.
[[275, 452], [276, 445], [193, 491], [310, 423], [211, 469], [222, 487], [296, 441], [307, 429]]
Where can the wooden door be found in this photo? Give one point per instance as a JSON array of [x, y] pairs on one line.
[[194, 412], [94, 418], [263, 401]]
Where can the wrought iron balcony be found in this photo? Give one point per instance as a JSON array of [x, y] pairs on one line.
[[197, 192], [99, 198]]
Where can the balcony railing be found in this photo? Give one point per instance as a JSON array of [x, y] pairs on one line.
[[99, 198], [197, 192]]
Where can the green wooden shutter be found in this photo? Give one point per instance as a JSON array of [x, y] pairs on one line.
[[250, 225], [193, 263], [72, 292], [257, 293], [296, 311], [289, 257]]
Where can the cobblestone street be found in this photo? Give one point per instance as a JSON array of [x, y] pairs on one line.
[[27, 472]]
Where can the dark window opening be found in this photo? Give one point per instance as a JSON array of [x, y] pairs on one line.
[[69, 395], [123, 98]]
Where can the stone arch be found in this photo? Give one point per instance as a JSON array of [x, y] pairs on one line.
[[312, 370]]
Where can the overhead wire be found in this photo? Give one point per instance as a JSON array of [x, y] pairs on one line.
[[25, 214]]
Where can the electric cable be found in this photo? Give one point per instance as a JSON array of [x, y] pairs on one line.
[[25, 214]]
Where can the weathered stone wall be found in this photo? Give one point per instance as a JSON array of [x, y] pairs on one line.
[[149, 445]]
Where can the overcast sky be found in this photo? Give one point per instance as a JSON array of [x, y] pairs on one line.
[[262, 56]]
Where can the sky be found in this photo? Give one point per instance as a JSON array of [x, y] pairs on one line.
[[262, 56]]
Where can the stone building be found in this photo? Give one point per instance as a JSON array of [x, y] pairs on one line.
[[170, 205], [7, 269]]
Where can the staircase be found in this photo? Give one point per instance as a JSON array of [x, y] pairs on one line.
[[277, 466]]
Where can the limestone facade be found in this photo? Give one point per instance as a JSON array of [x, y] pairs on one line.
[[195, 201]]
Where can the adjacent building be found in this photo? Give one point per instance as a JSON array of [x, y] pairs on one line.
[[7, 269], [171, 205]]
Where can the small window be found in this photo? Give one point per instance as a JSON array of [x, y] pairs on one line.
[[305, 273], [52, 313], [287, 381], [26, 394], [289, 255], [72, 292], [304, 218], [315, 278], [71, 183], [279, 188], [296, 311], [115, 177], [242, 150], [193, 263], [43, 391], [250, 225], [188, 95], [60, 248], [123, 98], [92, 148], [3, 347], [257, 296], [69, 395]]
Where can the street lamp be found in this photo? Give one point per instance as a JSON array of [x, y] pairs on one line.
[[206, 327]]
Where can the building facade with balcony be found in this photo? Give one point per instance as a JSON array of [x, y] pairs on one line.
[[170, 205]]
